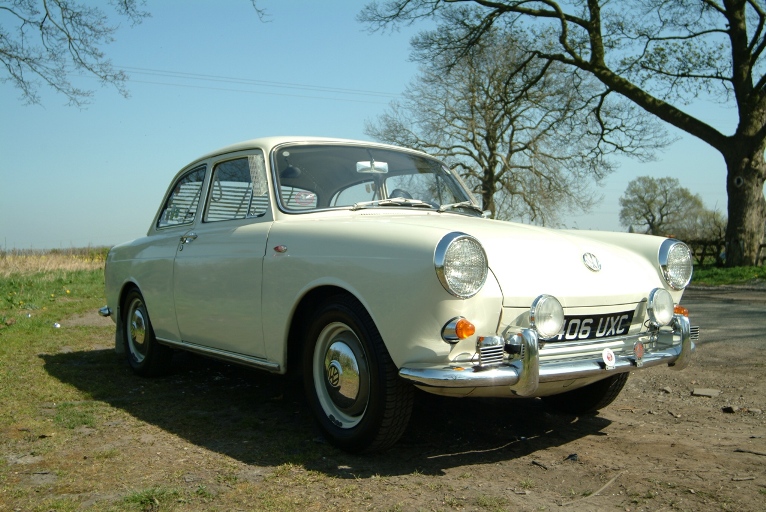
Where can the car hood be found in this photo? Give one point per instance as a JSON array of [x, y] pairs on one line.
[[529, 260]]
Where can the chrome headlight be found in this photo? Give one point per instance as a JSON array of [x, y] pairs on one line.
[[660, 307], [547, 316], [461, 264], [676, 263]]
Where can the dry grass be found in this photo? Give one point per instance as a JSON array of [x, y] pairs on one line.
[[19, 262]]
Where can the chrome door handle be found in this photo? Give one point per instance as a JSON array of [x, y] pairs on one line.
[[188, 238]]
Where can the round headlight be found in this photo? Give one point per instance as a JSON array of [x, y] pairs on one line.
[[547, 316], [461, 264], [676, 263], [660, 306]]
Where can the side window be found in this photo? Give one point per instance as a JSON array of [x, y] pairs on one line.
[[238, 189], [181, 206]]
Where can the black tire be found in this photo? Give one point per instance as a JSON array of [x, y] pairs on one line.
[[590, 398], [351, 383], [145, 355]]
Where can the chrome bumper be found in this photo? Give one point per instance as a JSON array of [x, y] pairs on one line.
[[523, 376], [105, 311]]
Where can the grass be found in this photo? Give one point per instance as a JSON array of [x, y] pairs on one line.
[[716, 276], [75, 413], [21, 262], [154, 498]]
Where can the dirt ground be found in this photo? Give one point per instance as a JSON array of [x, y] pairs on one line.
[[216, 437]]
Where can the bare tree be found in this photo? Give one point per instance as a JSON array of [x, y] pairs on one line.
[[520, 130], [47, 42], [658, 205], [659, 55], [50, 40]]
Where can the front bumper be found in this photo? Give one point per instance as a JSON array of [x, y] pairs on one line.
[[575, 362]]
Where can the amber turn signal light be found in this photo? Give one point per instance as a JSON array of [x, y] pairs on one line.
[[464, 329], [680, 310]]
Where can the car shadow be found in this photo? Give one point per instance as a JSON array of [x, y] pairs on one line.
[[263, 420]]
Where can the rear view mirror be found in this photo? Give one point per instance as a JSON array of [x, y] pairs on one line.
[[372, 167]]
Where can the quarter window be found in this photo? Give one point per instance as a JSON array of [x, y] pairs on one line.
[[181, 206], [238, 189]]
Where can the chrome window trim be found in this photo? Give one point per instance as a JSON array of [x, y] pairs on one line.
[[200, 199]]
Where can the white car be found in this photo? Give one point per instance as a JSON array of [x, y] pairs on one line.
[[371, 270]]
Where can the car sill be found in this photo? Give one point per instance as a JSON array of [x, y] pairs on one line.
[[224, 355]]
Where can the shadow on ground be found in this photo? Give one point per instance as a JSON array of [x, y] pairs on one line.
[[262, 419]]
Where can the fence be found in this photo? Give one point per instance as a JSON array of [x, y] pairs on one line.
[[712, 252]]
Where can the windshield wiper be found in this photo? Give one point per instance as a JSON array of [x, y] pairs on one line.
[[462, 204], [394, 201]]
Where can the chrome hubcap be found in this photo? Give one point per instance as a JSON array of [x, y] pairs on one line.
[[341, 376], [137, 330]]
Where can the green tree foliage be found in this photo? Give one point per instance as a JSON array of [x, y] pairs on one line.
[[656, 54], [661, 206]]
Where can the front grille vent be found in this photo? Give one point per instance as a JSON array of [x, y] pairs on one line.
[[695, 333], [490, 350]]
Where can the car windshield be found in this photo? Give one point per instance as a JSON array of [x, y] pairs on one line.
[[317, 177]]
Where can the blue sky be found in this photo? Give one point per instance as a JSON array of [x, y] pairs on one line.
[[207, 74]]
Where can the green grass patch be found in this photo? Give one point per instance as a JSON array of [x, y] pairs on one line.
[[154, 498], [28, 299], [73, 415], [716, 276], [35, 309]]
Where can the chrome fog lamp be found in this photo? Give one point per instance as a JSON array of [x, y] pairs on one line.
[[546, 316], [660, 306], [461, 264], [676, 263]]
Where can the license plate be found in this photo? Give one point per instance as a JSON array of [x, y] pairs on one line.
[[588, 327]]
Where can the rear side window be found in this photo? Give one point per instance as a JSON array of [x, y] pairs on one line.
[[238, 189], [181, 206]]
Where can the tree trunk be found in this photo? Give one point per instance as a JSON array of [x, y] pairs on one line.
[[747, 207]]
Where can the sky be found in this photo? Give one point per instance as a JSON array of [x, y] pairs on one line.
[[207, 74]]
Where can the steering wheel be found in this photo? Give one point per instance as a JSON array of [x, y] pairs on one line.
[[397, 192]]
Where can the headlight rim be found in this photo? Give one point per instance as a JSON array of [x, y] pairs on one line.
[[533, 314], [651, 308], [669, 245], [440, 257]]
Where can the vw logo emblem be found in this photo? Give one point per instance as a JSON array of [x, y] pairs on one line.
[[334, 372], [591, 261]]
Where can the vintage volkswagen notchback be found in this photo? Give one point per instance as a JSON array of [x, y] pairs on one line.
[[371, 270]]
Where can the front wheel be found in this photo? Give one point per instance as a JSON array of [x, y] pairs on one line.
[[590, 398], [351, 383], [145, 355]]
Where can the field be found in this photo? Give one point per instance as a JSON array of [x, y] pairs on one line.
[[78, 431]]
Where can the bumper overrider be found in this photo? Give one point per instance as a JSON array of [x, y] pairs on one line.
[[522, 362]]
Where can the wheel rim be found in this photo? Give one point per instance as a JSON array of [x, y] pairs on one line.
[[136, 330], [341, 375]]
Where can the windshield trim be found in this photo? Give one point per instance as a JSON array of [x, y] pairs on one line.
[[458, 186]]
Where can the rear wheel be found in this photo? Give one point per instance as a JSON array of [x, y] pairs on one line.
[[351, 383], [590, 398], [146, 356]]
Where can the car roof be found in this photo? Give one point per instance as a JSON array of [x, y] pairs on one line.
[[269, 142]]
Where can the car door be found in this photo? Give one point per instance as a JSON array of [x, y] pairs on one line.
[[152, 267], [218, 265]]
